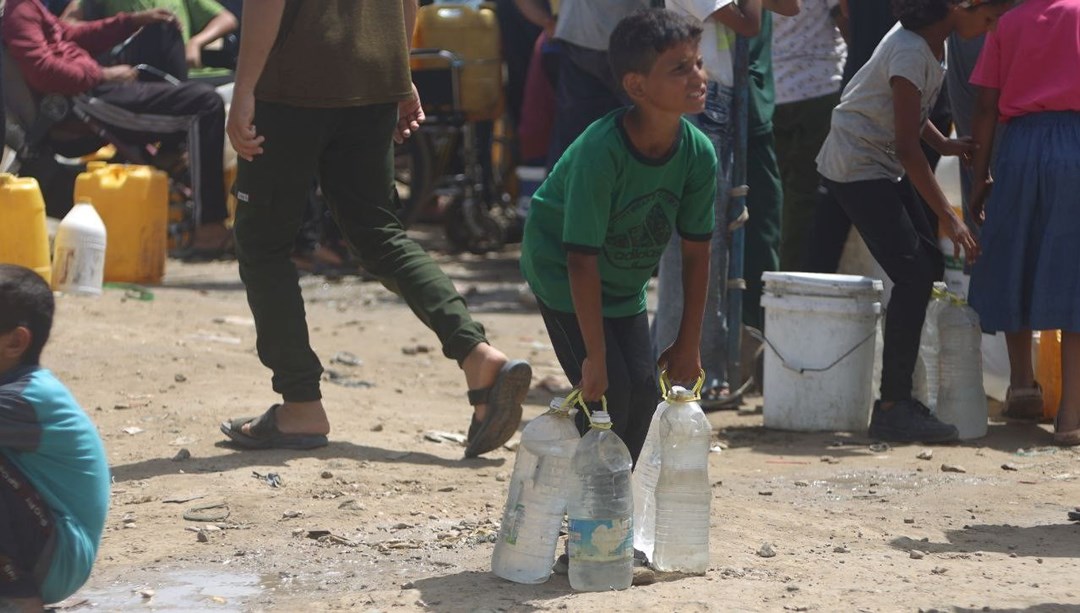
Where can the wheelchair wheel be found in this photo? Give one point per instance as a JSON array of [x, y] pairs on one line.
[[413, 176], [475, 231]]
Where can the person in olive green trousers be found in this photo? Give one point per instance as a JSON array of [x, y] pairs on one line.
[[323, 90]]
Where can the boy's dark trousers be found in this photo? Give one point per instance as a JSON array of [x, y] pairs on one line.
[[351, 151], [897, 229], [632, 393], [27, 529]]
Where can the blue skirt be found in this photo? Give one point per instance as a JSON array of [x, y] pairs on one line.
[[1028, 277]]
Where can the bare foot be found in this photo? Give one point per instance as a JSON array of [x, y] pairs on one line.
[[299, 418], [482, 367]]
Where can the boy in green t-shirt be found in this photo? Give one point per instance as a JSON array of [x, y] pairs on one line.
[[599, 223]]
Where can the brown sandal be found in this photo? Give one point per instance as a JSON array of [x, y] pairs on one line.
[[1024, 403]]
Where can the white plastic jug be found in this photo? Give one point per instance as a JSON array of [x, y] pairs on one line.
[[79, 252], [927, 377], [537, 498], [961, 396]]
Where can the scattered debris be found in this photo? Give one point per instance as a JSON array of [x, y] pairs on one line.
[[828, 459], [766, 551], [377, 428], [352, 505], [184, 498], [182, 455], [953, 468], [346, 358], [180, 378], [939, 570], [233, 320], [917, 555], [272, 479], [879, 447], [1036, 451], [926, 454], [802, 484], [208, 512], [1012, 466], [415, 349], [215, 338], [643, 575], [292, 514], [764, 493], [202, 536], [438, 436], [716, 448], [502, 477], [147, 594], [448, 488], [909, 520], [132, 430], [326, 474], [513, 444], [841, 549], [337, 378]]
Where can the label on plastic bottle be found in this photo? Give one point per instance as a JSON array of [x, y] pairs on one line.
[[601, 540], [514, 522]]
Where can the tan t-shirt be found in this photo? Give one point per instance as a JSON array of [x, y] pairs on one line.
[[338, 53]]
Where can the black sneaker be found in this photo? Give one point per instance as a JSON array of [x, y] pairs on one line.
[[909, 421]]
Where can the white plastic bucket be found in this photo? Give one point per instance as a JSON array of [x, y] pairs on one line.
[[820, 333]]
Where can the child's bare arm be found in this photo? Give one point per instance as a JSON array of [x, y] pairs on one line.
[[743, 17], [787, 8], [907, 115], [683, 359], [585, 290], [983, 126]]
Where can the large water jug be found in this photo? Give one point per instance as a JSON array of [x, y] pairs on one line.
[[683, 493], [538, 495], [926, 377], [133, 201], [24, 236], [471, 33], [79, 254], [601, 511], [961, 398], [647, 469]]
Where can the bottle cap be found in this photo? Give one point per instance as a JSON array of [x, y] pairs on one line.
[[679, 393], [557, 403], [600, 417]]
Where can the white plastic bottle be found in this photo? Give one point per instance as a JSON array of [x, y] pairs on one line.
[[601, 511], [536, 503], [79, 252], [961, 398], [927, 378], [683, 494]]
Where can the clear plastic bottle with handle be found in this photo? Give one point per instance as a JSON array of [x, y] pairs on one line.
[[601, 511], [927, 377], [647, 471], [683, 494], [537, 498], [961, 397]]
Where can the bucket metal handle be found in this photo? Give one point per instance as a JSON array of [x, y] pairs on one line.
[[799, 369]]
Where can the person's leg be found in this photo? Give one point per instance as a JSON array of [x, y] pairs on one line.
[[356, 171], [585, 93], [639, 390], [271, 192], [1021, 368], [800, 129], [146, 112], [1068, 419], [26, 541], [765, 203], [829, 234]]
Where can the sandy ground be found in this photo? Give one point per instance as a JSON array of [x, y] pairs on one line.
[[384, 519]]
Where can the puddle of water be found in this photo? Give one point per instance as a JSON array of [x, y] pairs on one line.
[[179, 591]]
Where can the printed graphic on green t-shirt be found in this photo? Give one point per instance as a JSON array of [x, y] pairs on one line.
[[604, 198]]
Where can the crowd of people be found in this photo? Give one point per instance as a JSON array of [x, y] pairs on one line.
[[639, 160]]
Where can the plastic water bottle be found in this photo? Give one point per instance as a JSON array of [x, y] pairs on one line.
[[961, 398], [683, 494], [79, 252], [927, 378], [601, 511], [536, 503], [646, 473]]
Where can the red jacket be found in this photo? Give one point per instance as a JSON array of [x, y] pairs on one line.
[[55, 57]]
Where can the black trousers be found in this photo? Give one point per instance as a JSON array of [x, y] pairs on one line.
[[632, 392], [898, 229], [150, 111]]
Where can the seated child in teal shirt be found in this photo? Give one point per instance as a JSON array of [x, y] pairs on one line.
[[54, 480], [600, 222]]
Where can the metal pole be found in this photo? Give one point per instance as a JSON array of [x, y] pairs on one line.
[[736, 284]]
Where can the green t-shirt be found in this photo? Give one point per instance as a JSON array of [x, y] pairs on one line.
[[193, 15], [605, 198]]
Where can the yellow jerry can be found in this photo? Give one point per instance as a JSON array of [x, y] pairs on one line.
[[133, 201], [1048, 371], [24, 236], [472, 34]]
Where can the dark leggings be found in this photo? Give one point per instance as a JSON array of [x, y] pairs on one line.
[[898, 230], [632, 393]]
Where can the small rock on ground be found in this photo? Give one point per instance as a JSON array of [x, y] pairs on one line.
[[952, 468], [767, 551], [926, 454], [917, 555]]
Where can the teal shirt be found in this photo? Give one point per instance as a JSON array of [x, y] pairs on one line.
[[605, 198], [47, 436]]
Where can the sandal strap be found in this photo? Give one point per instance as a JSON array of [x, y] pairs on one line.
[[479, 396], [266, 424]]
